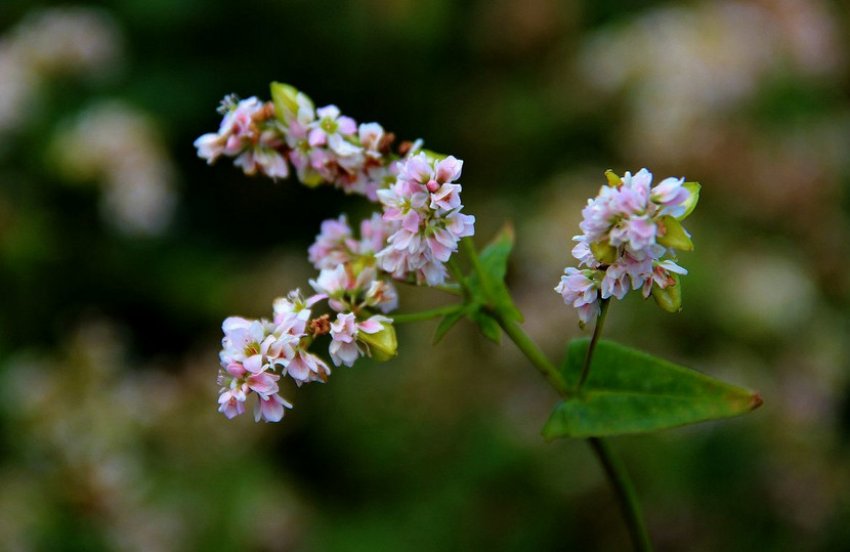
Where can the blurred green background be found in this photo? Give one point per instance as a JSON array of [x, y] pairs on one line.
[[121, 252]]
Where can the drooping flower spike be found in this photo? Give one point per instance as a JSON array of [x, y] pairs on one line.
[[630, 234]]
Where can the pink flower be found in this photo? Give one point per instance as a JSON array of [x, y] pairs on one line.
[[637, 231], [264, 383], [580, 289], [306, 367], [672, 195], [232, 402], [242, 343], [270, 408], [343, 348], [334, 245], [661, 275], [381, 294]]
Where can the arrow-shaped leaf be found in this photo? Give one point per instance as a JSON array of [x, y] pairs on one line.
[[629, 391]]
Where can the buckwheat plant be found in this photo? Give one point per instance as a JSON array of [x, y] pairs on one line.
[[631, 232]]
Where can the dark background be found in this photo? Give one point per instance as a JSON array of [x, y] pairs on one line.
[[110, 313]]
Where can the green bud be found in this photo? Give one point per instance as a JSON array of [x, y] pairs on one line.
[[383, 344], [603, 252], [312, 179], [613, 179], [285, 99], [433, 155], [669, 298], [675, 235], [692, 201]]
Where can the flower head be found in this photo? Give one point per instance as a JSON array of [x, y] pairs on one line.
[[249, 133], [424, 206], [630, 232]]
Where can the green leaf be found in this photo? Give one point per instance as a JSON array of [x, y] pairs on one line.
[[447, 323], [692, 201], [629, 391], [494, 261], [488, 326]]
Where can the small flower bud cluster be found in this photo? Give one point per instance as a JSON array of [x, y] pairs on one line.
[[256, 354], [630, 233]]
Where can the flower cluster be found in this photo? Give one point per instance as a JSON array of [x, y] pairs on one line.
[[418, 190], [424, 206], [250, 133], [411, 239], [630, 233], [256, 354], [322, 145]]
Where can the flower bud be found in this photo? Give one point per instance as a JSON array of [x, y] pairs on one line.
[[670, 297], [382, 345], [613, 180], [604, 252], [674, 235], [285, 99], [690, 203]]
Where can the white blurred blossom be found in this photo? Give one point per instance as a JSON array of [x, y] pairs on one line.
[[685, 65], [119, 147], [70, 41]]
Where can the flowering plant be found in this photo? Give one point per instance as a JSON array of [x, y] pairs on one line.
[[630, 233]]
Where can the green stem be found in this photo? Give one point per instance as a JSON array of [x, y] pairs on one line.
[[425, 315], [597, 331], [453, 289], [530, 349], [458, 276], [469, 248], [629, 505], [614, 468]]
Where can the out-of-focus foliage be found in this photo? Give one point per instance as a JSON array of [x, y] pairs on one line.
[[120, 254]]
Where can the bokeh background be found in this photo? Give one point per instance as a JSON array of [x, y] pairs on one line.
[[121, 252]]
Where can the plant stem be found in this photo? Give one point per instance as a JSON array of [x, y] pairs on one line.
[[425, 315], [530, 349], [614, 468], [597, 331], [629, 505], [458, 276], [469, 248], [453, 289]]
